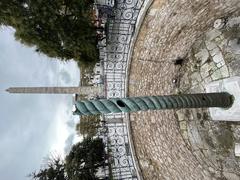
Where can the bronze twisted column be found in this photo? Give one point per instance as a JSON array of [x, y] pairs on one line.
[[133, 104]]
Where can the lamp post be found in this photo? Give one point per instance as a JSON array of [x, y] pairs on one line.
[[133, 104]]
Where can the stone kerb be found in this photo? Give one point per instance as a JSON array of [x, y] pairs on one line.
[[145, 7]]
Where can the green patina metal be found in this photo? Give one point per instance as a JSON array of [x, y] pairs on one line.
[[133, 104]]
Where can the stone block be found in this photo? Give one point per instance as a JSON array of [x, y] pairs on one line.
[[197, 89], [237, 149], [183, 125], [207, 80], [213, 34], [224, 71], [185, 136], [210, 45], [204, 72], [195, 78], [220, 64], [218, 58], [216, 75], [221, 43], [202, 55], [214, 51], [232, 86], [180, 115], [194, 136]]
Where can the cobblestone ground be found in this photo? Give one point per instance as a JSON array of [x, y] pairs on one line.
[[168, 32], [213, 57]]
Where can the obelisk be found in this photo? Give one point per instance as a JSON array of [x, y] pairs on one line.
[[84, 90]]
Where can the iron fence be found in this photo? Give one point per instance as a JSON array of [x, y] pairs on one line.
[[118, 159], [114, 51]]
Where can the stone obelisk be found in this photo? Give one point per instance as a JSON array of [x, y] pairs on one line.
[[84, 90]]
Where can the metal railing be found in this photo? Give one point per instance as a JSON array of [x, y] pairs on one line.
[[114, 56], [118, 160]]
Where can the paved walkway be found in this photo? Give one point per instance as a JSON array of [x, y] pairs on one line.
[[168, 32]]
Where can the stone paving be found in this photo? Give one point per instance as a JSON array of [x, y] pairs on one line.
[[214, 56], [166, 145]]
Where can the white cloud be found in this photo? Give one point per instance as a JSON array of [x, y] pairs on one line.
[[31, 126], [61, 130]]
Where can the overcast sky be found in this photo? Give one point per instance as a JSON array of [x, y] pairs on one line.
[[32, 126]]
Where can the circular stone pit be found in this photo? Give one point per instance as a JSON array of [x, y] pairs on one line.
[[183, 144]]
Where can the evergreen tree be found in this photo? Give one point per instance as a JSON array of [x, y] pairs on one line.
[[58, 28], [84, 159], [53, 171], [81, 163]]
